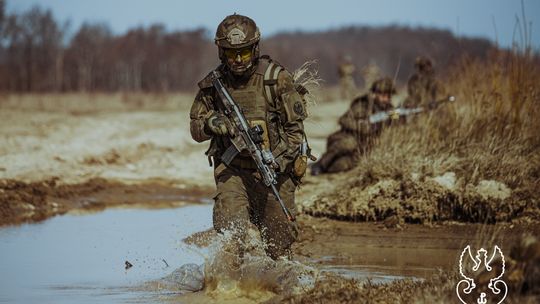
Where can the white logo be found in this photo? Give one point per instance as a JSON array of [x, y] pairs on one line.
[[481, 268]]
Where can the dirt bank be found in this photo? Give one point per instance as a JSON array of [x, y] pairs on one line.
[[376, 196], [36, 201]]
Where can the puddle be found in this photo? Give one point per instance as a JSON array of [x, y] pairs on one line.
[[80, 259], [377, 275]]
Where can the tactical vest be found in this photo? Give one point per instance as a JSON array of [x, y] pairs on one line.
[[259, 101]]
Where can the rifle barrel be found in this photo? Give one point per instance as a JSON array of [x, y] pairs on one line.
[[288, 214]]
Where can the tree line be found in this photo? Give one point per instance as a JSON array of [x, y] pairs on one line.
[[37, 53]]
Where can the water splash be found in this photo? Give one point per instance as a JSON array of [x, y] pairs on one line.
[[256, 273], [236, 269]]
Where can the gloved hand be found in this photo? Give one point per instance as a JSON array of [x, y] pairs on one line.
[[217, 124], [394, 115]]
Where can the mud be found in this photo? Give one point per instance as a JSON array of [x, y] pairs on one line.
[[22, 202], [521, 276], [422, 199], [406, 263]]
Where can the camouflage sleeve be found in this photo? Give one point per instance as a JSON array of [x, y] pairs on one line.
[[414, 91], [293, 113], [356, 119], [200, 111]]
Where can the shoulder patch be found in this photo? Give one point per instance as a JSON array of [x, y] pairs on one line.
[[298, 108]]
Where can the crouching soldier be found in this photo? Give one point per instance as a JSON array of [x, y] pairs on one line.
[[356, 134]]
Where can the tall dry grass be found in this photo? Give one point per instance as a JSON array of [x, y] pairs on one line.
[[490, 133]]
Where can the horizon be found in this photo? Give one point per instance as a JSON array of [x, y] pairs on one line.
[[492, 20]]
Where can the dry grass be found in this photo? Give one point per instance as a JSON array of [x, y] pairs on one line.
[[308, 77], [489, 133]]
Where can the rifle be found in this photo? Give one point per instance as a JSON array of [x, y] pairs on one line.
[[248, 138], [402, 112]]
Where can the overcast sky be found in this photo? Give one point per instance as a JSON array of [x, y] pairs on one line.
[[473, 18]]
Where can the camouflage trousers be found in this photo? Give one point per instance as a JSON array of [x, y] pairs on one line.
[[243, 201], [341, 153]]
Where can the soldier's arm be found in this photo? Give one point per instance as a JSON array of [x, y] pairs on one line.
[[200, 111], [293, 113]]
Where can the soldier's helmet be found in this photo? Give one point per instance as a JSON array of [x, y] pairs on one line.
[[238, 35], [383, 86], [423, 64]]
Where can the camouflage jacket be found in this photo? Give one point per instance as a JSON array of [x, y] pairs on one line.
[[356, 119], [283, 116]]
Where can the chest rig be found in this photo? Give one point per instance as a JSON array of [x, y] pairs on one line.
[[257, 97]]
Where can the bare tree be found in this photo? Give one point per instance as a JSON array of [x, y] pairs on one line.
[[33, 57], [85, 57], [34, 46]]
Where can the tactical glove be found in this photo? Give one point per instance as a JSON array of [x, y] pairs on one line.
[[217, 124]]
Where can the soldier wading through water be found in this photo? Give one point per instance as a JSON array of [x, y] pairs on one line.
[[266, 94]]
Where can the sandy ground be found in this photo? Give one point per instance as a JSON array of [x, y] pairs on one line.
[[129, 145], [61, 139], [54, 149]]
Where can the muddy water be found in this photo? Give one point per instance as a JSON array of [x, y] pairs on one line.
[[369, 250], [80, 258]]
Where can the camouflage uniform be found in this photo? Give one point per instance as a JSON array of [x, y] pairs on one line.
[[422, 87], [356, 134], [241, 199]]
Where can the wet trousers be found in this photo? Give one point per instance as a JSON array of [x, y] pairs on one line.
[[242, 201]]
